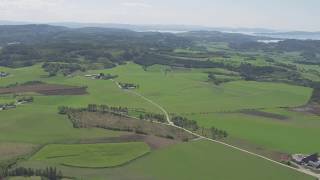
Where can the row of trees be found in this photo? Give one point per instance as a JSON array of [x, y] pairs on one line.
[[192, 125], [151, 116], [185, 123], [96, 108], [50, 173]]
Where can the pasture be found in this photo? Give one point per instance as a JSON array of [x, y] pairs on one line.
[[91, 155], [180, 91], [293, 135], [188, 161]]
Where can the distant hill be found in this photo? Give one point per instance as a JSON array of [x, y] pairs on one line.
[[154, 27], [303, 35]]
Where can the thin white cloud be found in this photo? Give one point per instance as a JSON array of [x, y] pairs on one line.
[[28, 4], [136, 4]]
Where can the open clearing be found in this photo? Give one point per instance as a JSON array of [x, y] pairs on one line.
[[91, 155]]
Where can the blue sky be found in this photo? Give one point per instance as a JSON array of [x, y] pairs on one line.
[[276, 14]]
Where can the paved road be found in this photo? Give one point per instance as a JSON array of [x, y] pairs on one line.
[[305, 171]]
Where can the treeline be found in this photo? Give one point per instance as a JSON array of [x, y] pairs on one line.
[[185, 123], [149, 59], [50, 173], [152, 116], [118, 111], [65, 68], [193, 126], [96, 108]]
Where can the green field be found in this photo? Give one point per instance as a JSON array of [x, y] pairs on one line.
[[41, 124], [181, 91], [189, 161], [178, 91], [295, 135], [91, 155]]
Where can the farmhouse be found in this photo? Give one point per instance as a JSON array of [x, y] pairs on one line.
[[128, 86], [311, 160], [3, 74], [101, 76], [7, 106]]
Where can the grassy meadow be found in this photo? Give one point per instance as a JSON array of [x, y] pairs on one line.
[[189, 161], [180, 91], [91, 155]]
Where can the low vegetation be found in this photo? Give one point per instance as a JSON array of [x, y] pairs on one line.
[[91, 155], [82, 118]]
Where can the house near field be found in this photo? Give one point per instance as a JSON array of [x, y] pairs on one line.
[[311, 160], [128, 86], [101, 76], [7, 106], [3, 74]]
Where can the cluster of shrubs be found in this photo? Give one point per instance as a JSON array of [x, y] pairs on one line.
[[192, 125], [50, 173], [185, 123], [29, 99], [65, 68], [151, 116]]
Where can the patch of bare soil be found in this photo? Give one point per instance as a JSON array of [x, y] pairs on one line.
[[13, 150], [45, 89], [313, 105], [313, 108], [122, 123], [264, 114], [275, 155], [153, 141]]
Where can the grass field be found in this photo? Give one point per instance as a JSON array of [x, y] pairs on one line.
[[176, 90], [91, 155], [189, 161], [180, 91], [294, 135], [40, 124]]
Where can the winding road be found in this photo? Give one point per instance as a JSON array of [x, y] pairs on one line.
[[170, 123]]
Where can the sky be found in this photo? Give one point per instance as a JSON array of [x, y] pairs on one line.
[[274, 14]]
